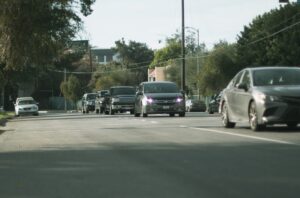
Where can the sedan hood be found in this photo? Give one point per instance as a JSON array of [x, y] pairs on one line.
[[163, 95], [293, 91]]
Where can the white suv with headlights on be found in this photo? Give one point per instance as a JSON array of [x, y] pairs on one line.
[[26, 105]]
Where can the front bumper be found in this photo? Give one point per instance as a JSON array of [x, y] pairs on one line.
[[164, 108], [26, 111], [122, 107], [280, 113]]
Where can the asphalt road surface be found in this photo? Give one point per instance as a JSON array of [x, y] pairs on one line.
[[120, 156]]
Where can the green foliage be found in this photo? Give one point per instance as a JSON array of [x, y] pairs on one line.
[[33, 32], [266, 41], [71, 89], [114, 79], [220, 66], [171, 51]]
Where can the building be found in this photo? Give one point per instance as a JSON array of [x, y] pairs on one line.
[[105, 56], [157, 74]]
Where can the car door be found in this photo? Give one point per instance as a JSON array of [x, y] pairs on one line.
[[243, 96], [231, 96]]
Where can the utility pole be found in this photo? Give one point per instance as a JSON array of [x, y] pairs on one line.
[[65, 80], [182, 47]]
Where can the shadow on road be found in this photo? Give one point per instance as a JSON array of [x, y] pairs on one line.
[[153, 171]]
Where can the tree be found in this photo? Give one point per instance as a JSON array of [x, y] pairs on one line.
[[219, 67], [71, 89], [135, 56], [33, 32], [271, 39]]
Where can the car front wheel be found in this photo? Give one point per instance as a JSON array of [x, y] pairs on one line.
[[225, 117], [253, 119]]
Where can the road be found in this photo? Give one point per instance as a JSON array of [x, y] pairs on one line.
[[120, 156]]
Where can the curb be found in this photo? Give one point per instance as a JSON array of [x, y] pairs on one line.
[[3, 122]]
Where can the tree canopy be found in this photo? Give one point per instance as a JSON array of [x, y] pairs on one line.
[[32, 32]]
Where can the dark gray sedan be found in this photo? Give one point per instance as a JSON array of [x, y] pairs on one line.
[[262, 96]]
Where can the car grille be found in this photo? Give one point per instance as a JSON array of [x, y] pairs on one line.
[[27, 108], [292, 100], [165, 101]]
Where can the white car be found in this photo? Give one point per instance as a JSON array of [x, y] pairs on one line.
[[26, 105]]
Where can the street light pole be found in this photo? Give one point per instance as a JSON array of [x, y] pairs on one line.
[[183, 47], [198, 45]]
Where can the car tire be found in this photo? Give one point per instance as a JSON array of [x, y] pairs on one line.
[[253, 119], [172, 114], [144, 114], [111, 111], [101, 110], [182, 114], [225, 117], [97, 111]]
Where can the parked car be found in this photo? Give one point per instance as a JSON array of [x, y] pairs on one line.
[[262, 96], [195, 105], [214, 103], [119, 100], [88, 102], [26, 105], [99, 102], [159, 97]]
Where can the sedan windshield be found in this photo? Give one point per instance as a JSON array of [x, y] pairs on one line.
[[122, 91], [273, 77], [91, 96], [25, 102], [161, 88]]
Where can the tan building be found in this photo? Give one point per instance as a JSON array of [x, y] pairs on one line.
[[157, 74]]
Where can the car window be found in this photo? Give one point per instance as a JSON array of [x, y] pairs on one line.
[[272, 77], [91, 96], [122, 91], [25, 102], [246, 78], [161, 88], [237, 78]]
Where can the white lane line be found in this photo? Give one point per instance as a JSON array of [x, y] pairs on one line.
[[244, 136]]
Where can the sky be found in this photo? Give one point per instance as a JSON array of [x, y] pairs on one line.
[[149, 21]]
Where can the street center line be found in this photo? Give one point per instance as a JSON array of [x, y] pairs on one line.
[[244, 136]]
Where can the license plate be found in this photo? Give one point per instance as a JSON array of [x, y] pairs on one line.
[[166, 107]]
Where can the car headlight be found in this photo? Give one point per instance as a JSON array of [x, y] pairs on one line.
[[115, 100], [20, 108], [178, 100], [34, 108], [147, 100]]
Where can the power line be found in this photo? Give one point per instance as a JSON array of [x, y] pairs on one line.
[[274, 34]]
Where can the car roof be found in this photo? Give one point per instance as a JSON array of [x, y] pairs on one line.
[[24, 98], [122, 87], [271, 67], [158, 82]]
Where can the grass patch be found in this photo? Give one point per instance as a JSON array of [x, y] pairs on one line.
[[6, 115]]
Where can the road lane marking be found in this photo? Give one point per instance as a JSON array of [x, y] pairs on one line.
[[244, 136]]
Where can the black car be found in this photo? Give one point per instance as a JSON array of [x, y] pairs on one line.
[[195, 105], [119, 100], [159, 97], [99, 102], [214, 103], [262, 96], [88, 102]]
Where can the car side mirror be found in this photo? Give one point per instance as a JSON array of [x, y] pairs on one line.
[[139, 93], [242, 86]]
